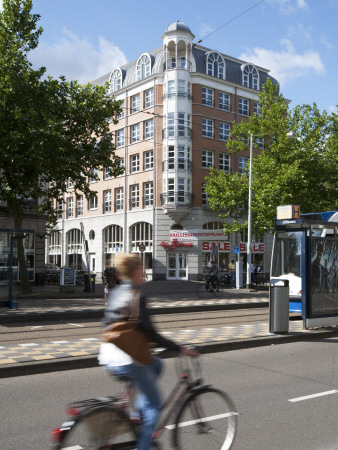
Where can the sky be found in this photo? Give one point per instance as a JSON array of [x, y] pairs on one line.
[[295, 39]]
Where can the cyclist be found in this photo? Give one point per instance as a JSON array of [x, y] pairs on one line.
[[212, 276], [143, 377]]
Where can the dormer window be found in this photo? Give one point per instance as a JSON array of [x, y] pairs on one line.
[[250, 76], [115, 81], [215, 65], [143, 67]]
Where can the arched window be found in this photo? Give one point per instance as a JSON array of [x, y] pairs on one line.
[[141, 233], [143, 67], [215, 65], [250, 76], [115, 80], [113, 239], [74, 248]]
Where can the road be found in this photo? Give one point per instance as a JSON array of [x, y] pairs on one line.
[[45, 331], [286, 395]]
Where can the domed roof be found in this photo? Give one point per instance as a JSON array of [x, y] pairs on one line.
[[178, 26]]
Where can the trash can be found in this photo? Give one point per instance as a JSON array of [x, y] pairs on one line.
[[279, 306], [89, 282]]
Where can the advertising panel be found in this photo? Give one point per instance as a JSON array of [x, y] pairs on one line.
[[324, 276]]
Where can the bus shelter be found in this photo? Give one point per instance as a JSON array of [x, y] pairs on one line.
[[305, 252]]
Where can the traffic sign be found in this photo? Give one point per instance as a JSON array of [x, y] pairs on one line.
[[141, 247]]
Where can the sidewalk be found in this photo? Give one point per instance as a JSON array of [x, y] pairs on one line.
[[163, 297]]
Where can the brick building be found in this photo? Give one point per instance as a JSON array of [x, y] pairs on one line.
[[179, 102]]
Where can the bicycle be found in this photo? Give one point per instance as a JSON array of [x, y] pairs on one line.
[[108, 423], [206, 288]]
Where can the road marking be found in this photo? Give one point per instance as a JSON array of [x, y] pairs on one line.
[[29, 345], [202, 419], [75, 324], [308, 397], [37, 326]]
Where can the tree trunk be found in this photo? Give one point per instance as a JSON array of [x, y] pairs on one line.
[[24, 278]]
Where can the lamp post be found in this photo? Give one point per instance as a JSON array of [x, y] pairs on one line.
[[248, 249]]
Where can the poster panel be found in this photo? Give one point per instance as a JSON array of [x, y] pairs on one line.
[[324, 276]]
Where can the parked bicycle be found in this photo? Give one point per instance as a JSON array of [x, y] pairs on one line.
[[197, 416], [208, 287]]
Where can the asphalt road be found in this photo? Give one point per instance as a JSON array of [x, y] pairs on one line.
[[70, 329], [286, 395]]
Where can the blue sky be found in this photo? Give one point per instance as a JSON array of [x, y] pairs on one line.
[[295, 39]]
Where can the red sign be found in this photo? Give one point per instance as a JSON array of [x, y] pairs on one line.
[[223, 246], [256, 247], [175, 243]]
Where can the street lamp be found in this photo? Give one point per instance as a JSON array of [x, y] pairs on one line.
[[248, 249]]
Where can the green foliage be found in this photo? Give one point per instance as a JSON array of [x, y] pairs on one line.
[[300, 170], [50, 130]]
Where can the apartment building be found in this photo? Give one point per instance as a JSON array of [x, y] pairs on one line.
[[179, 102]]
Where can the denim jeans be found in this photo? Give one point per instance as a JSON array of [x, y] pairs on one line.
[[232, 278], [148, 401]]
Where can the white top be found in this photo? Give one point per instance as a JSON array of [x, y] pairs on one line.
[[112, 356]]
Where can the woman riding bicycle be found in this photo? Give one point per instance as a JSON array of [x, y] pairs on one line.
[[143, 377]]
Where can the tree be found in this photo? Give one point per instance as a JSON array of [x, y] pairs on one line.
[[50, 130], [300, 170]]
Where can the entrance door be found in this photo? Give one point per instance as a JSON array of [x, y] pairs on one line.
[[92, 261], [177, 266]]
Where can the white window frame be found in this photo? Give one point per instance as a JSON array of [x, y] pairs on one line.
[[224, 131], [107, 200], [243, 164], [207, 96], [119, 199], [120, 138], [92, 203], [135, 133], [224, 162], [143, 67], [148, 194], [134, 163], [148, 160], [70, 207], [250, 76], [243, 106], [208, 159], [215, 65], [149, 98], [134, 196], [149, 129], [79, 205], [207, 128], [224, 101], [135, 103]]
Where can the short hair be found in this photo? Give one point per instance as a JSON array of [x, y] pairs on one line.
[[127, 263]]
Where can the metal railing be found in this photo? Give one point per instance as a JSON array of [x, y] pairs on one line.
[[174, 132], [176, 164], [177, 198]]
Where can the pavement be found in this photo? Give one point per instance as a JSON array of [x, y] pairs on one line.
[[164, 297]]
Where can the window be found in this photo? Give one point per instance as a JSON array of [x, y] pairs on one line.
[[207, 159], [148, 194], [260, 142], [121, 115], [205, 197], [224, 162], [107, 201], [149, 129], [215, 65], [148, 160], [120, 138], [59, 208], [149, 98], [93, 176], [207, 96], [181, 88], [250, 77], [92, 202], [134, 196], [243, 162], [171, 89], [70, 183], [207, 128], [79, 205], [243, 106], [120, 163], [134, 163], [135, 103], [115, 81], [70, 207], [143, 67], [135, 133], [224, 131], [113, 239], [171, 124], [181, 190], [224, 101], [180, 124], [257, 109], [118, 199], [142, 233], [106, 173]]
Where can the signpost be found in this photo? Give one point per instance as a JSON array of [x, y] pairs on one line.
[[142, 248]]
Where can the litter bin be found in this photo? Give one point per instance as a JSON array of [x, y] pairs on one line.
[[279, 306], [89, 282]]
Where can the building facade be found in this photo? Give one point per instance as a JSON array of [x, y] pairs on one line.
[[179, 102]]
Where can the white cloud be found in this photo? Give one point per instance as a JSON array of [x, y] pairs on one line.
[[205, 30], [286, 64], [76, 58], [289, 6]]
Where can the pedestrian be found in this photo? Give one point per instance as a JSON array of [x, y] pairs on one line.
[[110, 279], [254, 272], [142, 376], [232, 269]]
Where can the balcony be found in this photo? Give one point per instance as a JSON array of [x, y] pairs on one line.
[[177, 63], [177, 132], [173, 95], [177, 165], [176, 204]]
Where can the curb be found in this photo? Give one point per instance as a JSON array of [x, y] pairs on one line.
[[98, 313], [91, 361]]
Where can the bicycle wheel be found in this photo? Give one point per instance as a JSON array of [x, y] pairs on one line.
[[103, 427], [207, 419], [201, 291], [218, 290]]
